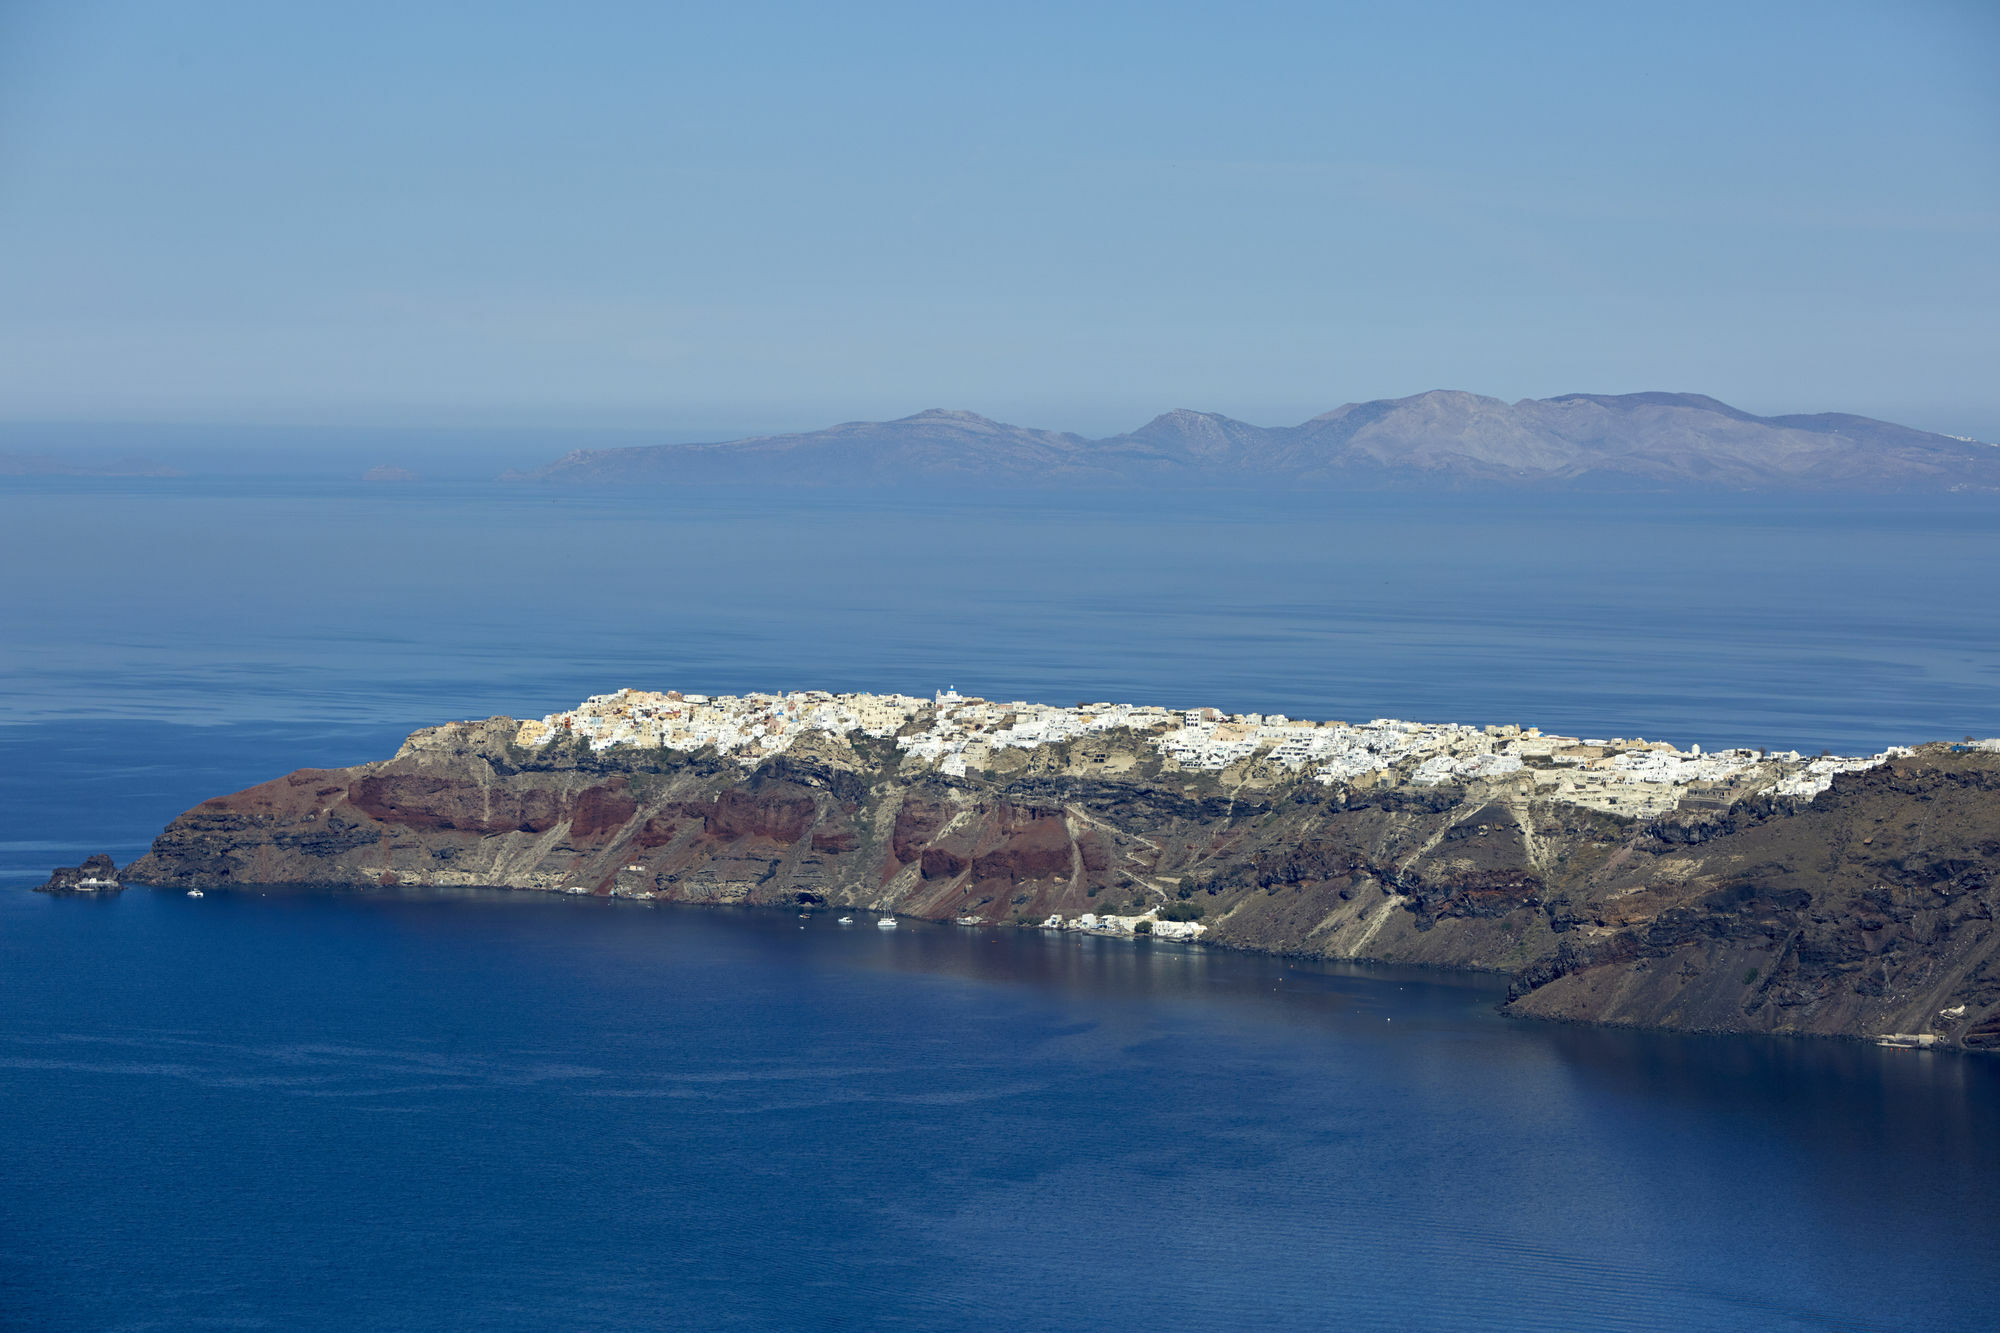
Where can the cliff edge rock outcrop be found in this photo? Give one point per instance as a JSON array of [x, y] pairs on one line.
[[97, 874], [1858, 903]]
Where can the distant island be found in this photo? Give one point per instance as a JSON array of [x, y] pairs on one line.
[[1618, 880], [1444, 438]]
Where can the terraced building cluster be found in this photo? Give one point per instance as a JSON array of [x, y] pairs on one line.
[[957, 734], [1619, 880]]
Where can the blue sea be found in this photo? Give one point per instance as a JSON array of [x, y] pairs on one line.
[[392, 1110]]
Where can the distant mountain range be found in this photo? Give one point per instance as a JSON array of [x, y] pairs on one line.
[[1442, 438]]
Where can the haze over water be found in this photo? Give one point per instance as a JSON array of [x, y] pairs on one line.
[[373, 1110], [1851, 622], [292, 242]]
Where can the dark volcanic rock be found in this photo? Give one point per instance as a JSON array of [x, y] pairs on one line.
[[1866, 911], [97, 874]]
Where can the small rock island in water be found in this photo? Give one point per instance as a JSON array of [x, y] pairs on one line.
[[1618, 880], [97, 874]]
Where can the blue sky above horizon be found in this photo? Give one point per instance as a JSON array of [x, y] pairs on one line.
[[770, 216]]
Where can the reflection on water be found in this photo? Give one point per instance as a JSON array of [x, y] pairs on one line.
[[393, 1109], [520, 1111]]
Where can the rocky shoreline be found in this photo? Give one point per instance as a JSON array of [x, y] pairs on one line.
[[97, 874], [1860, 904]]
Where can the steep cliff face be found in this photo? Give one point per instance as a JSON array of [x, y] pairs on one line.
[[1866, 911]]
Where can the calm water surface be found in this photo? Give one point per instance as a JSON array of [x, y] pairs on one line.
[[511, 1111], [1850, 623], [386, 1111]]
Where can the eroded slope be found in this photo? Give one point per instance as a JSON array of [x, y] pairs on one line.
[[1853, 899]]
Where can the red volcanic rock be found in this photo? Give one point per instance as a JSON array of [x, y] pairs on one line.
[[420, 801], [1038, 850], [1867, 909], [295, 793], [780, 812], [602, 809], [659, 830], [942, 863], [916, 824]]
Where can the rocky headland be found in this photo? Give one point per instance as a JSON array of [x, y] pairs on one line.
[[1618, 880], [97, 874]]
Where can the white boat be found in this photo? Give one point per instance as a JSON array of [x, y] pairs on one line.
[[886, 923], [194, 893], [847, 921], [969, 921]]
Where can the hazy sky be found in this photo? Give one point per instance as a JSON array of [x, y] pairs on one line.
[[749, 215]]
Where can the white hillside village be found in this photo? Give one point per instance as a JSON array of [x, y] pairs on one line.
[[955, 735]]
